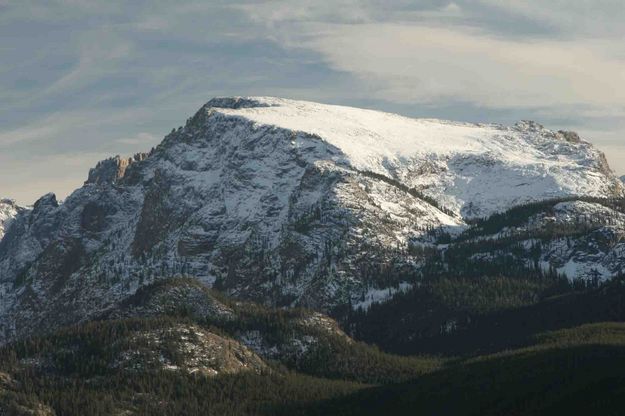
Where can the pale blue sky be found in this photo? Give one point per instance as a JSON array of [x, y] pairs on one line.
[[81, 80]]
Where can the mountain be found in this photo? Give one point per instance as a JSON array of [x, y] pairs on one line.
[[297, 203], [247, 264]]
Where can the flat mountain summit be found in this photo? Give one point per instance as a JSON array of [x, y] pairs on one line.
[[472, 169], [297, 203]]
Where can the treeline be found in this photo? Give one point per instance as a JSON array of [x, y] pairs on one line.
[[468, 316], [419, 319], [519, 215], [577, 371], [411, 191], [169, 393], [73, 371]]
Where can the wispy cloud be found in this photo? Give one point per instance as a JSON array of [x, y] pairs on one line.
[[577, 18], [143, 138], [82, 79], [428, 64]]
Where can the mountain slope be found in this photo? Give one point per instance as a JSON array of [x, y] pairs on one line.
[[176, 347], [573, 371], [285, 202], [8, 211]]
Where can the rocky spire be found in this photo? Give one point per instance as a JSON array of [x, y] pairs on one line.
[[111, 170]]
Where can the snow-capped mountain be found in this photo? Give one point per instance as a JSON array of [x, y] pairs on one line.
[[287, 202], [472, 169]]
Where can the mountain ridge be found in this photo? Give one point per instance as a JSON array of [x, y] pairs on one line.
[[247, 201]]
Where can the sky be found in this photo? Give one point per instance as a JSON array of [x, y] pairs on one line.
[[83, 80]]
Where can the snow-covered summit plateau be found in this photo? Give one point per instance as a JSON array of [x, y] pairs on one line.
[[473, 169], [297, 203]]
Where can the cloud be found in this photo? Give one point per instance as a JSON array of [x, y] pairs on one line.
[[143, 138], [99, 54], [578, 18], [63, 124], [427, 64], [93, 78]]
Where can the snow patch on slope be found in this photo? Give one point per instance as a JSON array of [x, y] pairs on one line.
[[375, 295]]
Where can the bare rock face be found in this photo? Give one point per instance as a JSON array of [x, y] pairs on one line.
[[603, 165], [570, 136], [288, 203], [110, 171], [188, 348], [183, 296]]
